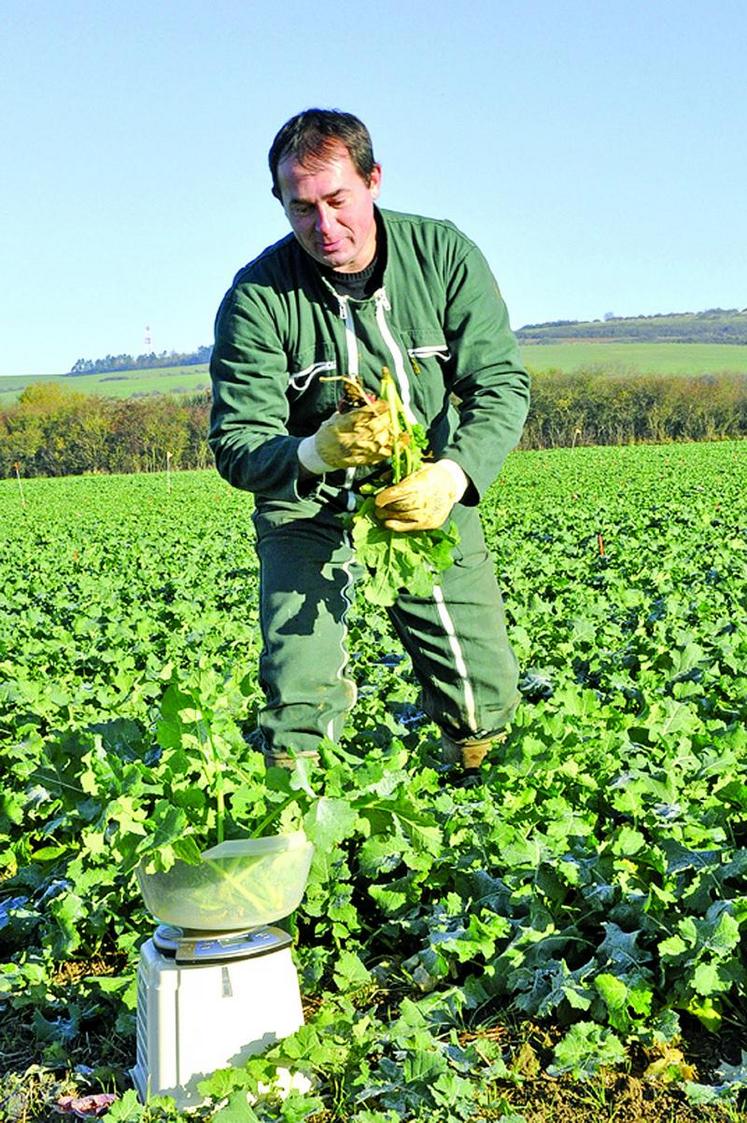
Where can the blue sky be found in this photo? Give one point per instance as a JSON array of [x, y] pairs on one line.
[[595, 150]]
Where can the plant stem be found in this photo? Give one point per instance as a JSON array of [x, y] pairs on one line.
[[220, 810], [17, 467], [272, 815], [391, 397], [212, 770]]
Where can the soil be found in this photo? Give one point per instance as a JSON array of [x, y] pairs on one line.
[[31, 1083]]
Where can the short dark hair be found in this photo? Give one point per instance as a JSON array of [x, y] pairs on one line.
[[313, 133]]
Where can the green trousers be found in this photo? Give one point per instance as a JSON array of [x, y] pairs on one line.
[[456, 638]]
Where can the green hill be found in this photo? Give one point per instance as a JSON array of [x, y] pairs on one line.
[[120, 384], [600, 356], [568, 356], [716, 325], [680, 343]]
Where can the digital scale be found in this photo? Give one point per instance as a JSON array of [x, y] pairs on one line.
[[209, 999]]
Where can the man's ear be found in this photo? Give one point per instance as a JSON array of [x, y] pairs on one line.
[[374, 182]]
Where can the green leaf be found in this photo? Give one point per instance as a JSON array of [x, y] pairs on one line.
[[707, 980], [734, 1075], [350, 971], [423, 1066], [620, 949], [297, 1107], [328, 821], [672, 947], [628, 841], [398, 560], [707, 1013], [725, 935], [128, 1109], [390, 901], [237, 1110], [47, 853], [621, 997], [67, 911], [187, 850], [61, 1029], [223, 1082], [584, 1050]]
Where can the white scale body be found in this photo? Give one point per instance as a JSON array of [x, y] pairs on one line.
[[208, 1001]]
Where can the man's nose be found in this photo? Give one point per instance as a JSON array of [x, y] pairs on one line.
[[323, 219]]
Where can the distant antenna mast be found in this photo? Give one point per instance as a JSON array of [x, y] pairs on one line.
[[147, 339]]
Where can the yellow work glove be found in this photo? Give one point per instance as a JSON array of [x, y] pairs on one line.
[[422, 501], [347, 440]]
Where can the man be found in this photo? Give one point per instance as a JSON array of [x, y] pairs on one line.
[[351, 290]]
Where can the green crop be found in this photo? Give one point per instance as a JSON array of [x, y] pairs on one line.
[[394, 560], [409, 438], [595, 883]]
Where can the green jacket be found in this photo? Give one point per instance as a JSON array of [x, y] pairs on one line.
[[438, 322]]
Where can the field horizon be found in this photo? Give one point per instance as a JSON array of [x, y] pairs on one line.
[[567, 357]]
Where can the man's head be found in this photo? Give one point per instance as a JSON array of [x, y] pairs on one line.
[[310, 135], [324, 174]]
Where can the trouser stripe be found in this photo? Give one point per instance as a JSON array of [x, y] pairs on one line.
[[456, 650], [348, 599]]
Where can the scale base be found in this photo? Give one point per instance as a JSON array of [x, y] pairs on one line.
[[196, 1017]]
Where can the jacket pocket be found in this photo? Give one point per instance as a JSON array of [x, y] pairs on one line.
[[312, 391], [299, 381], [429, 360], [428, 351]]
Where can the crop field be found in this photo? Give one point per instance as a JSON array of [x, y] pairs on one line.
[[563, 941], [115, 384], [643, 358]]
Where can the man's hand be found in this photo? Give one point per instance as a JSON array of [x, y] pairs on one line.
[[347, 440], [424, 500]]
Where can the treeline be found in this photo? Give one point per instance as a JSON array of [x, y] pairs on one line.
[[716, 325], [53, 431], [589, 408], [142, 362]]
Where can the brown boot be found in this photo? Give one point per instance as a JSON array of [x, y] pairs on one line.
[[279, 758], [470, 754]]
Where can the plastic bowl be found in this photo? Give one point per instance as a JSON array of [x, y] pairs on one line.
[[243, 883]]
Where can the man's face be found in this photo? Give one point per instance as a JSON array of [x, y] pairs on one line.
[[331, 208]]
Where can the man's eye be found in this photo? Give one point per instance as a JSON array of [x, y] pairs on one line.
[[300, 209]]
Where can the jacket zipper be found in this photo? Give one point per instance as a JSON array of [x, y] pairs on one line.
[[351, 344], [383, 306], [350, 341]]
